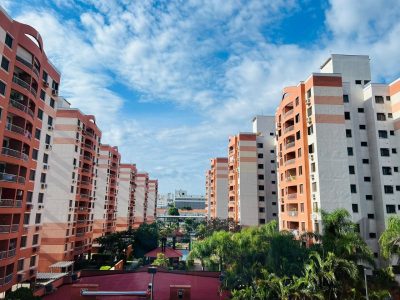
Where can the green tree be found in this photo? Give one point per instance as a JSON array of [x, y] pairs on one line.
[[146, 238], [21, 293], [161, 261], [390, 238], [173, 211]]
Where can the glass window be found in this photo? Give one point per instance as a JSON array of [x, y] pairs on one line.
[[5, 63], [390, 209], [9, 40], [353, 188], [382, 134], [345, 98], [347, 115], [2, 88]]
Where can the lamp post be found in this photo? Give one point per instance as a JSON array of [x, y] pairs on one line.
[[366, 283], [152, 271]]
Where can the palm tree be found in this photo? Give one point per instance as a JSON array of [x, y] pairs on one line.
[[390, 238]]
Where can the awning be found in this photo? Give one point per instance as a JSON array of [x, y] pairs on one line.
[[49, 276], [62, 264]]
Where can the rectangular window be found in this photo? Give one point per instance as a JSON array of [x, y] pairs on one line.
[[260, 166], [371, 216], [368, 197], [48, 139], [23, 241], [35, 240], [260, 187], [261, 209], [310, 130], [260, 155], [33, 261], [261, 198], [29, 197], [358, 82], [350, 151], [300, 170], [260, 145], [262, 221], [20, 264], [313, 167], [26, 219], [354, 208], [382, 134], [352, 170], [353, 188], [390, 209], [379, 99], [32, 175], [347, 115], [372, 235], [314, 186], [346, 98], [362, 127], [2, 88], [40, 198], [260, 176], [365, 161], [45, 76], [40, 114], [42, 95], [388, 189], [52, 102], [311, 148], [37, 134], [301, 207], [348, 133], [391, 132], [297, 118], [367, 179], [49, 121], [394, 150], [298, 135], [380, 117], [35, 154], [9, 40], [360, 110], [386, 170], [45, 158], [390, 115], [364, 144], [5, 63], [43, 178], [396, 169], [385, 152]]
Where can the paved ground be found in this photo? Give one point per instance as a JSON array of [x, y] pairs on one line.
[[203, 288]]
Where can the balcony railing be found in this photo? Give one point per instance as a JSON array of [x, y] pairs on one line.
[[289, 128], [81, 221], [19, 130], [9, 228], [290, 161], [21, 107], [79, 234], [84, 195], [10, 203], [288, 113], [292, 196], [14, 153], [89, 133], [24, 62], [24, 84], [11, 178], [289, 145], [293, 213], [6, 280], [7, 254], [291, 178]]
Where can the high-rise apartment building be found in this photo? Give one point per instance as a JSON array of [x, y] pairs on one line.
[[208, 194], [126, 196], [217, 192], [141, 195], [152, 201], [70, 191], [337, 144], [28, 85], [107, 191], [251, 177]]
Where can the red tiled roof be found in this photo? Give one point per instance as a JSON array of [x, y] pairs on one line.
[[202, 288], [169, 253]]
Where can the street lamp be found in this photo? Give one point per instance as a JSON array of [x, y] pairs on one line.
[[152, 271], [365, 280]]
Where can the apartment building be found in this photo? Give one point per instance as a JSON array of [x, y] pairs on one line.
[[71, 188], [141, 197], [217, 192], [126, 196], [208, 194], [151, 213], [337, 143], [252, 175], [107, 192], [28, 85]]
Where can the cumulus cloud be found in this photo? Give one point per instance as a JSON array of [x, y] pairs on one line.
[[211, 59]]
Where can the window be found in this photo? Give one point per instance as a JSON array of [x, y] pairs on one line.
[[310, 130], [309, 111], [388, 189], [391, 132], [309, 93], [368, 197], [301, 188], [260, 166], [49, 121], [37, 134], [261, 209], [260, 176], [260, 155], [32, 263], [262, 221], [313, 167], [311, 148], [72, 189], [273, 203], [386, 170], [43, 178], [35, 239], [371, 216], [354, 208], [48, 139], [362, 127], [390, 115], [272, 151], [40, 114], [360, 110], [382, 134], [42, 95], [45, 158], [301, 207], [297, 118], [352, 170], [273, 182], [379, 99], [347, 115], [314, 186], [365, 161], [20, 264], [346, 98], [260, 145], [385, 152], [350, 151], [372, 235], [358, 82], [387, 98], [348, 133], [35, 154], [297, 101], [396, 169], [390, 209], [23, 241], [300, 170], [380, 117], [271, 134], [261, 198], [353, 188], [272, 161], [398, 188], [394, 150], [367, 179], [9, 41], [40, 198], [2, 88], [44, 76], [52, 102], [273, 193], [32, 175], [5, 63], [364, 144], [26, 219], [260, 187], [298, 135], [29, 197]]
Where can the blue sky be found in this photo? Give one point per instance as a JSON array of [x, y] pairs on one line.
[[169, 81]]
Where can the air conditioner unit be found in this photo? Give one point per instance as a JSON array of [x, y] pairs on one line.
[[79, 128], [309, 120], [314, 216], [312, 176], [48, 147], [308, 101], [45, 84], [312, 156], [73, 181], [314, 197], [40, 206], [46, 167], [75, 167], [54, 92], [50, 128], [43, 186]]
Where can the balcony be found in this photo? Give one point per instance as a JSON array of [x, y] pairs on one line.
[[293, 213], [80, 234], [288, 113], [18, 130], [288, 129], [291, 178], [21, 107], [7, 254], [289, 145], [290, 162], [10, 203], [24, 62], [14, 153], [12, 178], [25, 85], [6, 280], [292, 196], [5, 229]]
